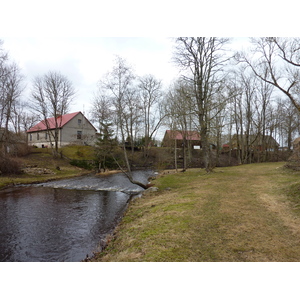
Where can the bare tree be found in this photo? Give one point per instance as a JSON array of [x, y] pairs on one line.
[[102, 110], [150, 90], [3, 101], [51, 96], [288, 122], [217, 122], [180, 115], [10, 92], [3, 61], [262, 118], [132, 117], [204, 59], [277, 62], [118, 85], [27, 120], [250, 105]]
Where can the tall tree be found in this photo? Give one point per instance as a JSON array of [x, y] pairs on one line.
[[51, 96], [204, 59], [179, 113], [289, 122], [102, 113], [118, 85], [102, 110], [150, 91], [10, 92], [262, 122]]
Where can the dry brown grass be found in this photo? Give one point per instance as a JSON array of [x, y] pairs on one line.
[[42, 159], [234, 214]]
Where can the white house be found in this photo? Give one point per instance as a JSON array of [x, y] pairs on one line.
[[74, 128]]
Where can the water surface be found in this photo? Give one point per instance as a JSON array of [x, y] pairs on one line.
[[62, 220]]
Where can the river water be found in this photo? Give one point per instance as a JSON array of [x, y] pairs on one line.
[[62, 220]]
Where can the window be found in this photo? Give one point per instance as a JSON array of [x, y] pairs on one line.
[[79, 121], [46, 136], [38, 136], [30, 137], [79, 135]]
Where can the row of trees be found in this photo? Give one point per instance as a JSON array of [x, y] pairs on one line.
[[128, 105], [237, 98], [128, 109], [245, 97]]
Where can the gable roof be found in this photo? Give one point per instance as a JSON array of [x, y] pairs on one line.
[[258, 140], [61, 120], [178, 135]]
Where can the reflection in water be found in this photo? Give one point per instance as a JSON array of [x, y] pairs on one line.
[[56, 224]]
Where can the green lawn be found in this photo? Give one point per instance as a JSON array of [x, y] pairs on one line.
[[244, 213], [79, 152]]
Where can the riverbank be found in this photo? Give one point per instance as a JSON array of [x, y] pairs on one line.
[[40, 167], [243, 213]]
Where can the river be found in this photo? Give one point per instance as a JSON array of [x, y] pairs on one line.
[[62, 220]]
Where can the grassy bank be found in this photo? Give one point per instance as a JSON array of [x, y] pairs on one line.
[[46, 166], [244, 213]]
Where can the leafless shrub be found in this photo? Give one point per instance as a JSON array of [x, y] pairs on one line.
[[9, 165]]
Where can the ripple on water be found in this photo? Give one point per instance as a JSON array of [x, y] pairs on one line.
[[63, 220]]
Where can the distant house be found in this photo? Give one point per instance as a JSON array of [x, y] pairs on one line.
[[225, 148], [74, 128], [257, 143], [178, 136]]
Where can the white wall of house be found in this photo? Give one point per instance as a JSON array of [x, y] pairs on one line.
[[77, 131], [41, 139]]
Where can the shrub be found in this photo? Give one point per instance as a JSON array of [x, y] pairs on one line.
[[88, 165], [9, 165]]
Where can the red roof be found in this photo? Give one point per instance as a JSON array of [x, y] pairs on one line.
[[189, 135], [61, 121]]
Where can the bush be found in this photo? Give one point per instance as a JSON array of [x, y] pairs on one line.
[[9, 165], [85, 164]]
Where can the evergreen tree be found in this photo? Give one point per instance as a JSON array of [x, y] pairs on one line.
[[106, 146]]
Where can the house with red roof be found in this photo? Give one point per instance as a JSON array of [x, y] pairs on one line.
[[73, 128], [179, 136]]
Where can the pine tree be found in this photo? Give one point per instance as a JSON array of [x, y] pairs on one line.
[[106, 146]]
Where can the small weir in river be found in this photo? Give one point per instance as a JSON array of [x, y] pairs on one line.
[[62, 220]]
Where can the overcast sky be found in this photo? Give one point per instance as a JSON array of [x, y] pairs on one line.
[[81, 38], [84, 61]]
